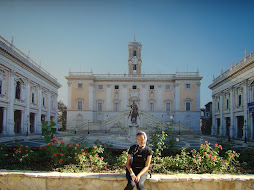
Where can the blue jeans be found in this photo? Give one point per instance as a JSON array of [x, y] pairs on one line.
[[140, 184]]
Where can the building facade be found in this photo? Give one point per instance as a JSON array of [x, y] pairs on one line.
[[102, 101], [206, 119], [28, 93], [233, 100]]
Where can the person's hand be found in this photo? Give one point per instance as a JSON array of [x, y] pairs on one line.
[[137, 178], [133, 178]]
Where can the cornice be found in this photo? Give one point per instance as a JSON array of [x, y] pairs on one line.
[[12, 51]]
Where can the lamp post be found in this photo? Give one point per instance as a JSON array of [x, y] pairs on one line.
[[88, 128], [245, 138], [179, 129]]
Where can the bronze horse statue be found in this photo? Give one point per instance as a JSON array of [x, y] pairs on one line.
[[133, 113]]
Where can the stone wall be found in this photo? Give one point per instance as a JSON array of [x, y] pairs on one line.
[[22, 180]]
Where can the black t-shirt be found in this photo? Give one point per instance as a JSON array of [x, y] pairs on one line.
[[139, 156]]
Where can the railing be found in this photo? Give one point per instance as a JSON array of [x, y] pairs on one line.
[[22, 55], [168, 76], [249, 58]]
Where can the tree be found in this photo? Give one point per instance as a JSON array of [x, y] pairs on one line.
[[62, 114]]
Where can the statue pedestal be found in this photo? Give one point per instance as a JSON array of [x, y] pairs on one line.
[[133, 132]]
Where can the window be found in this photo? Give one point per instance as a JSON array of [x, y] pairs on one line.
[[188, 106], [100, 87], [227, 105], [1, 86], [187, 85], [167, 87], [33, 98], [218, 105], [79, 105], [79, 85], [134, 53], [239, 100], [99, 108], [18, 88], [167, 106], [151, 87], [134, 87], [43, 101], [116, 106], [134, 67], [116, 87], [151, 107]]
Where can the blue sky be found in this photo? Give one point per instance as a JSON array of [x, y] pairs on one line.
[[176, 35]]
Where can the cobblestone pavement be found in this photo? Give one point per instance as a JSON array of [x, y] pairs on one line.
[[188, 141]]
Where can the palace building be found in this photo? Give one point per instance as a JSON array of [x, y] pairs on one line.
[[233, 100], [28, 93], [102, 101]]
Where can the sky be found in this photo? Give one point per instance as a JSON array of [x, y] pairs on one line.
[[93, 35]]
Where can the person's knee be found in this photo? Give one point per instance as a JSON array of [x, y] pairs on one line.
[[130, 185], [140, 186]]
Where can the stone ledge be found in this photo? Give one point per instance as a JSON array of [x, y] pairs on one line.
[[14, 179]]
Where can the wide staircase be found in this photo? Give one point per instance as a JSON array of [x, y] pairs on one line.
[[146, 122]]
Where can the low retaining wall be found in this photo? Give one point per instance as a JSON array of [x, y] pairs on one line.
[[22, 180]]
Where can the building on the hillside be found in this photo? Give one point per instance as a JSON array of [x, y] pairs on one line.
[[206, 119], [28, 93], [233, 100], [102, 101]]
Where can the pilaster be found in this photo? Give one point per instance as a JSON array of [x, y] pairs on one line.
[[198, 97], [143, 98], [108, 96], [91, 97], [69, 94], [177, 98], [159, 98], [232, 115], [124, 97]]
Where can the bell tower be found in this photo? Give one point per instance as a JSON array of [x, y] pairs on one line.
[[134, 61]]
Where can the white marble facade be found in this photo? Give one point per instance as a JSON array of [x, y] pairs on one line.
[[28, 93], [233, 100]]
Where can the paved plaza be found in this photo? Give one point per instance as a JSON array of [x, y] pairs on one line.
[[188, 141]]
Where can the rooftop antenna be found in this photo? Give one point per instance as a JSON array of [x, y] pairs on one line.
[[134, 38], [28, 53], [231, 63], [245, 53]]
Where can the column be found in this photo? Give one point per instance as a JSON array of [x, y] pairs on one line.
[[11, 96], [177, 98], [198, 96], [49, 105], [56, 111], [221, 132], [245, 108], [143, 99], [232, 115], [108, 96], [124, 97], [4, 121], [159, 98], [69, 95], [27, 109], [38, 115], [91, 97], [214, 129]]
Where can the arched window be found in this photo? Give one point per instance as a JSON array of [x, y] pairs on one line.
[[134, 53]]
